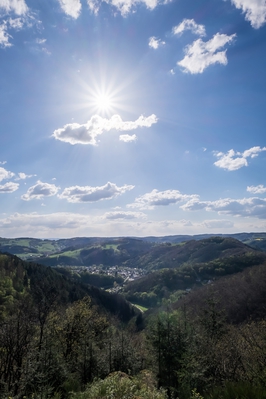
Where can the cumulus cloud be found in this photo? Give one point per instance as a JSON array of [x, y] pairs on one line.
[[189, 24], [127, 138], [19, 7], [121, 215], [159, 198], [5, 174], [9, 187], [4, 36], [87, 133], [155, 43], [233, 160], [245, 207], [260, 189], [39, 191], [71, 7], [254, 10], [92, 194], [200, 54]]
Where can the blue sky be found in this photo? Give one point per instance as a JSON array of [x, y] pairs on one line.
[[132, 118]]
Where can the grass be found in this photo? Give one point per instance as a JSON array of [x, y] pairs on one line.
[[142, 308]]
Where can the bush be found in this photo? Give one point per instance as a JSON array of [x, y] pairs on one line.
[[119, 385]]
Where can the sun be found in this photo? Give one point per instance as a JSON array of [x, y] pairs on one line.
[[103, 102]]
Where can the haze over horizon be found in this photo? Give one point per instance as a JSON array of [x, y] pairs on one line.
[[132, 118]]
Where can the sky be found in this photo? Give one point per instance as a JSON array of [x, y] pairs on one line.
[[132, 117]]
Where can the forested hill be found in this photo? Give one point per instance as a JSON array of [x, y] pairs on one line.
[[86, 251], [45, 287], [192, 265]]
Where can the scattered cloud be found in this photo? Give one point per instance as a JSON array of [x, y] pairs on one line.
[[3, 162], [71, 7], [19, 7], [5, 174], [233, 160], [39, 191], [200, 54], [121, 215], [218, 224], [40, 41], [127, 138], [23, 176], [9, 187], [123, 6], [245, 207], [159, 198], [254, 10], [77, 194], [189, 24], [75, 133], [4, 36], [260, 189], [16, 23], [155, 43]]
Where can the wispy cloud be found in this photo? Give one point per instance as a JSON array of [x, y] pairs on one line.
[[4, 36], [77, 194], [218, 224], [260, 189], [87, 133], [23, 176], [71, 7], [189, 24], [233, 160], [121, 215], [200, 54], [9, 187], [19, 7], [159, 198], [254, 10], [124, 6], [155, 43], [39, 191], [127, 138]]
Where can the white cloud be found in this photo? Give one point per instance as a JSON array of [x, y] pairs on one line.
[[157, 198], [16, 23], [233, 160], [19, 7], [71, 7], [260, 189], [254, 10], [40, 41], [23, 176], [40, 191], [123, 6], [155, 43], [77, 194], [200, 55], [189, 24], [9, 187], [75, 133], [121, 215], [245, 207], [127, 138], [4, 36], [218, 224], [5, 174]]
